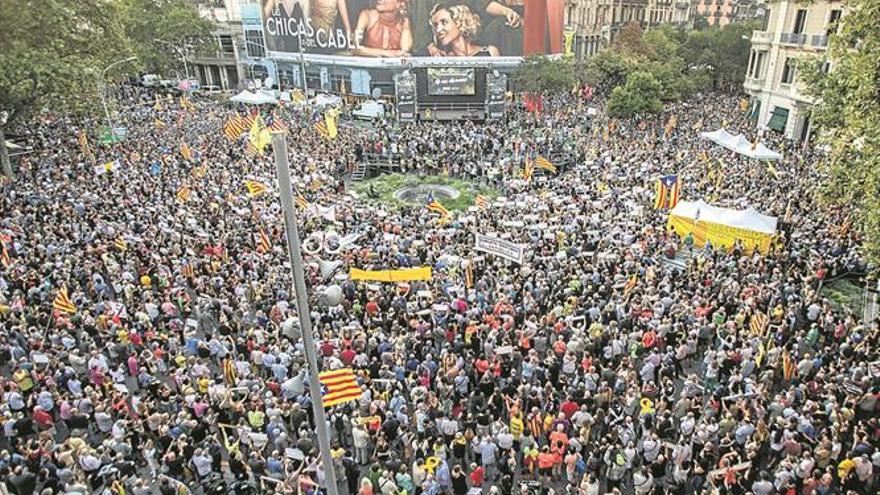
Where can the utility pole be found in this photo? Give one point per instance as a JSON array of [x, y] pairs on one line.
[[294, 251]]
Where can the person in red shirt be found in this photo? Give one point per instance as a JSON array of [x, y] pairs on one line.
[[477, 475], [546, 459], [569, 407], [348, 356], [41, 418]]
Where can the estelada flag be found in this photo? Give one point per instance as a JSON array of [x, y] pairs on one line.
[[338, 387], [668, 192], [63, 303]]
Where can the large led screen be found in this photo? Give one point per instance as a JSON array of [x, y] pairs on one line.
[[451, 81], [413, 28]]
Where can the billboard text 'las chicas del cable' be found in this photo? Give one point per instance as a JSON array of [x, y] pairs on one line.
[[414, 28]]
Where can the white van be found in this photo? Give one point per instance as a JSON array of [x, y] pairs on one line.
[[369, 110]]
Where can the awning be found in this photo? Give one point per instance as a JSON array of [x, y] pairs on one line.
[[778, 119]]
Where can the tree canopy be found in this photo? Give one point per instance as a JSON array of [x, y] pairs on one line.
[[55, 52], [846, 118]]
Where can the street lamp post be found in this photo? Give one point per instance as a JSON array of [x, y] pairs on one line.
[[104, 88], [302, 66], [181, 52], [294, 251]]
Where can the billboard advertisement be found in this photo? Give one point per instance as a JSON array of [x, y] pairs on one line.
[[414, 28]]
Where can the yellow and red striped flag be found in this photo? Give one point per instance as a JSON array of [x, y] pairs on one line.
[[436, 207], [186, 104], [630, 285], [469, 275], [301, 201], [120, 244], [185, 151], [200, 171], [528, 169], [545, 164], [758, 323], [229, 373], [264, 245], [188, 270], [235, 127], [668, 192], [63, 303], [5, 260], [339, 386], [183, 193], [255, 189], [158, 124], [787, 366], [482, 202]]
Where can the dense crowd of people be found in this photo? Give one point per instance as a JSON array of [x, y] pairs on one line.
[[597, 366]]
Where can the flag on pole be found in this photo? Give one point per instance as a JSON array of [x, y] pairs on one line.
[[436, 207], [630, 285], [230, 376], [338, 387], [258, 137], [200, 171], [668, 192], [5, 260], [758, 323], [63, 303], [120, 244], [188, 270], [158, 124], [671, 124], [482, 202], [255, 189], [787, 366], [277, 125], [264, 245], [528, 169], [545, 164], [185, 151], [469, 275], [186, 104], [301, 201], [326, 128], [183, 193], [235, 127]]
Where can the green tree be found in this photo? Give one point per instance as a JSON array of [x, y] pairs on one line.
[[539, 74], [174, 23], [846, 118], [608, 69], [55, 52], [720, 54], [640, 95], [51, 57]]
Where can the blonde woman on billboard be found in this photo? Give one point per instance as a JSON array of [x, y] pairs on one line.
[[384, 30], [455, 27]]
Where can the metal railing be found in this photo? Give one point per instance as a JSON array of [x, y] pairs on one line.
[[762, 37], [793, 38], [819, 40]]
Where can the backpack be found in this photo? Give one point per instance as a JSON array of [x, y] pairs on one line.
[[580, 466]]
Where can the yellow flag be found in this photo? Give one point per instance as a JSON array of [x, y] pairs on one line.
[[330, 121]]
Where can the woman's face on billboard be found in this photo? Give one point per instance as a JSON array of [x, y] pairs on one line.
[[387, 5], [445, 29]]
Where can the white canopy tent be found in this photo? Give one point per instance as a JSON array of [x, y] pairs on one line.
[[740, 144], [251, 98], [748, 219]]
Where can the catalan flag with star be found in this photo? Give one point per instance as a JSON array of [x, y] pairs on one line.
[[63, 303], [5, 260], [528, 169], [338, 387], [630, 285], [668, 192]]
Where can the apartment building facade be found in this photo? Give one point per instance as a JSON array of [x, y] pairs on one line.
[[221, 65], [595, 23], [792, 31]]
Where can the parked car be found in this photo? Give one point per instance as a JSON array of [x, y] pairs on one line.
[[369, 110]]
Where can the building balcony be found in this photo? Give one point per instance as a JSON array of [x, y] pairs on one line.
[[753, 84], [819, 41], [762, 38], [796, 39]]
